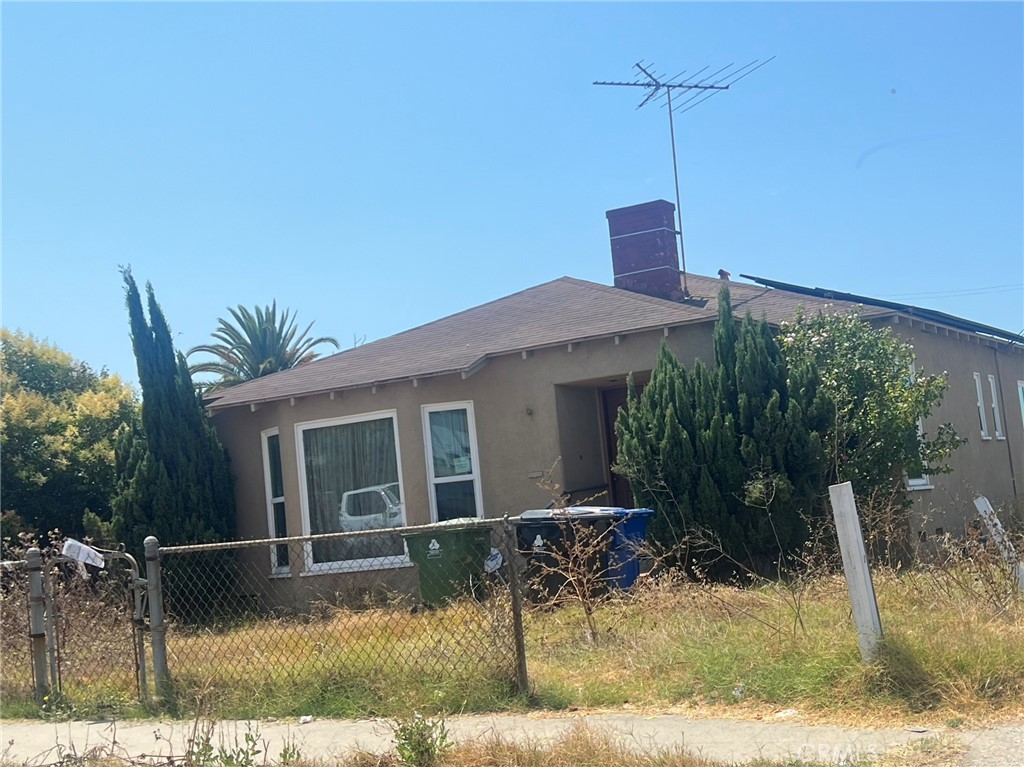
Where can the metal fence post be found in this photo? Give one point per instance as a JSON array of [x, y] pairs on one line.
[[37, 623], [157, 628], [522, 677]]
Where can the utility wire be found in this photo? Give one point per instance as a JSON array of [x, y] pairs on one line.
[[1009, 288]]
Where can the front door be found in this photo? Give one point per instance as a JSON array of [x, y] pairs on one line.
[[611, 401]]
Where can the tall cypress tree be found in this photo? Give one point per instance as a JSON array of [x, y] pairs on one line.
[[728, 453], [173, 476]]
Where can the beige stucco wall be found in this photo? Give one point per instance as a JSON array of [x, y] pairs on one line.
[[980, 467], [531, 411], [518, 406]]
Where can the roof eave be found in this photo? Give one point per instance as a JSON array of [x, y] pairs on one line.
[[932, 315], [465, 371]]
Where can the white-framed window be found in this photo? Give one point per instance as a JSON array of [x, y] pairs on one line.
[[923, 481], [277, 522], [350, 479], [1020, 400], [981, 407], [997, 417], [453, 461]]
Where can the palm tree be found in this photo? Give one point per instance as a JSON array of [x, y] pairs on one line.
[[256, 344]]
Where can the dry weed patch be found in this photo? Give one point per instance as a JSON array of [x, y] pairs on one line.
[[949, 652]]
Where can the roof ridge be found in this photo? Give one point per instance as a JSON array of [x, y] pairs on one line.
[[446, 317], [641, 297], [472, 308], [319, 361]]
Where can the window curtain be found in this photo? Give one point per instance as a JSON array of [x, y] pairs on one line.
[[449, 438], [339, 459], [449, 442]]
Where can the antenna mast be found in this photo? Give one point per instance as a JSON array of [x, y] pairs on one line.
[[702, 90]]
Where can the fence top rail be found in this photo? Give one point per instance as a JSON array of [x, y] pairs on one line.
[[255, 543], [10, 565]]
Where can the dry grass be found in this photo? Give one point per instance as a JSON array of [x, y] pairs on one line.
[[929, 752], [948, 653], [341, 662], [579, 746], [954, 650]]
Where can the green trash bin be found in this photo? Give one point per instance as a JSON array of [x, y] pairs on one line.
[[451, 557]]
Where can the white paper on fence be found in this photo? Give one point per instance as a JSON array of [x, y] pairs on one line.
[[81, 552]]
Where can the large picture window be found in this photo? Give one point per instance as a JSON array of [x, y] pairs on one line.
[[351, 482], [452, 461]]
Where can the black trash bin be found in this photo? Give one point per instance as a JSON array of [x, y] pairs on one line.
[[554, 543]]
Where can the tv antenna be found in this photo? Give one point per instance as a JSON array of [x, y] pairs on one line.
[[701, 90]]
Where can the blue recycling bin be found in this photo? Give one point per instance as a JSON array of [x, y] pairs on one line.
[[629, 533]]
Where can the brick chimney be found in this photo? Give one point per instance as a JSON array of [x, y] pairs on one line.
[[644, 255]]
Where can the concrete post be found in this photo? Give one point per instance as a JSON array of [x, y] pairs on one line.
[[157, 629], [858, 574], [37, 623]]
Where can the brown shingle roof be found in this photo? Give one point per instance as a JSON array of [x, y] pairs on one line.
[[557, 312], [773, 305]]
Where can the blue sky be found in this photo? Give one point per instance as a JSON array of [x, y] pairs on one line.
[[379, 166]]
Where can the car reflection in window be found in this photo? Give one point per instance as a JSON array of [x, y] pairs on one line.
[[371, 508]]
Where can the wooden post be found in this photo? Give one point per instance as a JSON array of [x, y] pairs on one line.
[[858, 574], [995, 529], [511, 558]]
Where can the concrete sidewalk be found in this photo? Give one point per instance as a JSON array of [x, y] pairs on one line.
[[35, 742]]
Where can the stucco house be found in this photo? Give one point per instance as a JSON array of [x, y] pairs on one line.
[[465, 415]]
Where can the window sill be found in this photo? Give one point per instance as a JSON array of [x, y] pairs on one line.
[[914, 488], [277, 575], [357, 566]]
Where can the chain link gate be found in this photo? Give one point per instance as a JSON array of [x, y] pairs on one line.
[[95, 631], [84, 627]]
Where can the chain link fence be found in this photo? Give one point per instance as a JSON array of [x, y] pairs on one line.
[[347, 623], [92, 643], [87, 641], [377, 622], [16, 681]]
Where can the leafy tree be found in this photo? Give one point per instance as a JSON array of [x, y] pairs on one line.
[[256, 344], [56, 443], [173, 476], [870, 403]]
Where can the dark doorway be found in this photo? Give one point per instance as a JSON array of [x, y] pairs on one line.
[[611, 401]]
